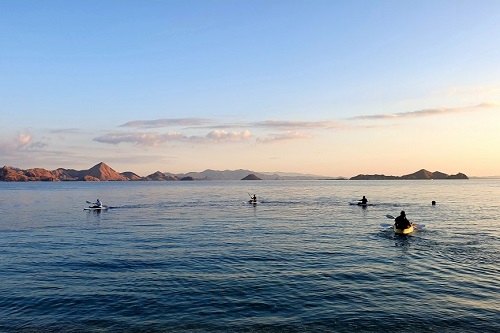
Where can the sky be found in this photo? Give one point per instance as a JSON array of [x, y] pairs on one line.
[[333, 88]]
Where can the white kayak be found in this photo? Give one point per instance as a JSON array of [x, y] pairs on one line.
[[96, 208]]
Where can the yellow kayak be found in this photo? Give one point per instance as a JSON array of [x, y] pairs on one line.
[[403, 231]]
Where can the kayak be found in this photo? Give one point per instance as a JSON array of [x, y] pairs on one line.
[[96, 208], [403, 231], [360, 204], [252, 202]]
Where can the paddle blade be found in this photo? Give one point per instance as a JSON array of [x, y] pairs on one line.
[[385, 225], [390, 216]]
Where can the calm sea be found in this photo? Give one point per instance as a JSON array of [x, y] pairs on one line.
[[195, 257]]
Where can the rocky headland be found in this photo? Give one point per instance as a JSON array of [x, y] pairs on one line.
[[98, 172]]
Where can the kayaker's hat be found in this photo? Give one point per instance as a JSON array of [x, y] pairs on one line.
[[403, 213]]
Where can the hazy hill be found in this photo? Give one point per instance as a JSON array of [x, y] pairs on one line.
[[224, 175], [241, 173], [158, 175]]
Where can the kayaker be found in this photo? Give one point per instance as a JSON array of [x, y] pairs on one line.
[[254, 198], [402, 222], [363, 201], [97, 203]]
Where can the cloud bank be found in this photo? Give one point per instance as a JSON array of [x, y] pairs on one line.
[[284, 130]]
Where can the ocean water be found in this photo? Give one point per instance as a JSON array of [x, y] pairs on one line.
[[196, 257]]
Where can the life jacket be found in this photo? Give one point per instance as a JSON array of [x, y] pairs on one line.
[[402, 222]]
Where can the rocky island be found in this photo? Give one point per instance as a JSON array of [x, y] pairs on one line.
[[251, 177], [419, 175]]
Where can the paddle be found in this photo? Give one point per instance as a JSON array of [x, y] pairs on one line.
[[251, 197], [385, 225]]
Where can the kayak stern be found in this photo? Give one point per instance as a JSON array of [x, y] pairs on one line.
[[403, 231]]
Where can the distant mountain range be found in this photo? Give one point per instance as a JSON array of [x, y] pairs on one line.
[[103, 172], [241, 173]]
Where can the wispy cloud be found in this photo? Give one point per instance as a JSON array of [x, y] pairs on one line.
[[65, 131], [474, 90], [161, 123], [21, 145], [270, 138], [211, 124], [140, 138], [293, 125], [157, 139], [426, 112], [25, 141]]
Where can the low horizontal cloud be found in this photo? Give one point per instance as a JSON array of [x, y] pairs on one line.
[[284, 137], [473, 90], [139, 138], [425, 112], [293, 124], [160, 123], [211, 124], [66, 131], [157, 139]]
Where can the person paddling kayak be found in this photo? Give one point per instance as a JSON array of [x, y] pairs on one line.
[[253, 199], [401, 222], [363, 201], [97, 204]]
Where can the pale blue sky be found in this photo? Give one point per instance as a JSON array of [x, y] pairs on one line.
[[213, 78]]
